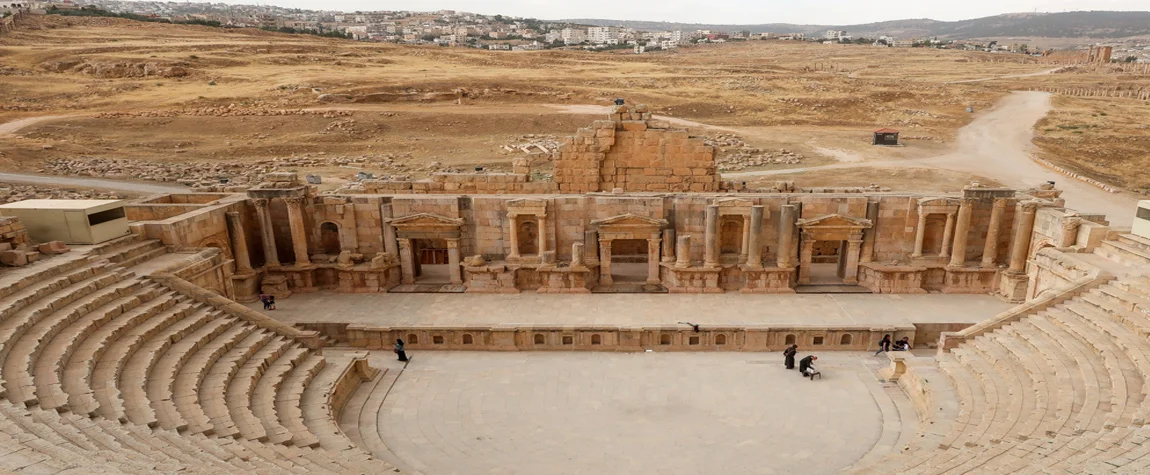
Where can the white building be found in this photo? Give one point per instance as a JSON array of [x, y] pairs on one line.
[[573, 36], [601, 35]]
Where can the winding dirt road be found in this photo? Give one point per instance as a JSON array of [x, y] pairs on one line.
[[998, 145]]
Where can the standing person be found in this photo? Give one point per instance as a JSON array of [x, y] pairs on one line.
[[883, 345], [789, 354], [272, 302], [264, 300], [807, 366], [399, 350]]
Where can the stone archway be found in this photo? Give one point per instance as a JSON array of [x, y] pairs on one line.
[[629, 227], [832, 227]]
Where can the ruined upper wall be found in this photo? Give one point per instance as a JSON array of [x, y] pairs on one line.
[[633, 152]]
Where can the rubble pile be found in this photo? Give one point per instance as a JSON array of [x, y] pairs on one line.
[[11, 193], [245, 173], [733, 154], [530, 144], [230, 110]]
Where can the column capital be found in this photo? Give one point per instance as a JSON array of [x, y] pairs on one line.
[[452, 243], [294, 200], [1071, 222], [1029, 206], [261, 203], [404, 242], [1000, 202], [233, 214]]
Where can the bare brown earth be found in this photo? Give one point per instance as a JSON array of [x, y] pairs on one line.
[[164, 94], [1103, 138]]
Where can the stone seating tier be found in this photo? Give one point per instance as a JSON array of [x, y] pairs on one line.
[[106, 371], [1062, 390]]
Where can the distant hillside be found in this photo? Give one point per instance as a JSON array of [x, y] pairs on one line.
[[1097, 24]]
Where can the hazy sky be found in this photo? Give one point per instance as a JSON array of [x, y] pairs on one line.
[[837, 12]]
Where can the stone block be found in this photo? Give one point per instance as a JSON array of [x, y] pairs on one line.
[[14, 258], [53, 247]]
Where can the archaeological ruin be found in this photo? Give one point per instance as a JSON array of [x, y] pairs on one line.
[[145, 354]]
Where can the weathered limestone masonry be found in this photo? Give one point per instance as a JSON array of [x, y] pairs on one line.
[[284, 238], [632, 152]]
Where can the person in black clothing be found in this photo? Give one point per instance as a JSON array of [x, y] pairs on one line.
[[789, 355], [399, 350], [807, 366], [883, 345]]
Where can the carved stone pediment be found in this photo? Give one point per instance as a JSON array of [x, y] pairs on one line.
[[425, 220], [527, 207], [629, 221], [834, 221]]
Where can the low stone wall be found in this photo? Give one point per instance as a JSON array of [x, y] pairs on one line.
[[157, 212], [609, 338], [347, 383], [882, 279], [1071, 174], [452, 183], [308, 338]]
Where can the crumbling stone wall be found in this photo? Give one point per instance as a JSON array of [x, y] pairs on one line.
[[633, 152]]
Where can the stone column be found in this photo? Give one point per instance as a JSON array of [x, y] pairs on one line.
[[947, 235], [711, 238], [806, 251], [683, 251], [746, 240], [577, 255], [919, 233], [514, 231], [1070, 224], [605, 262], [239, 244], [851, 271], [298, 233], [653, 258], [786, 236], [755, 241], [271, 257], [990, 248], [406, 261], [1021, 246], [870, 234], [453, 261], [669, 247], [958, 254], [542, 235], [390, 245], [591, 243]]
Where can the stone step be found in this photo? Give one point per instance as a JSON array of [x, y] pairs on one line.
[[212, 389], [50, 364], [288, 400], [77, 371], [264, 395], [1083, 359], [36, 287], [1051, 367], [238, 396], [119, 346], [184, 389], [16, 281], [168, 358], [13, 329], [143, 258], [1123, 253], [129, 396], [126, 253], [1132, 359]]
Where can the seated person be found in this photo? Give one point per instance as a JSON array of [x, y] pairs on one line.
[[902, 345]]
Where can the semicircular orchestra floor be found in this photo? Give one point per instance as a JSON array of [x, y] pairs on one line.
[[634, 413]]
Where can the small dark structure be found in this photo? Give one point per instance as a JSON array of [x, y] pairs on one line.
[[885, 137]]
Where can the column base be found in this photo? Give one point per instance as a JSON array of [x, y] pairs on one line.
[[1013, 287]]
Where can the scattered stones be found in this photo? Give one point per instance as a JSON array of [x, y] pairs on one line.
[[11, 193], [733, 154]]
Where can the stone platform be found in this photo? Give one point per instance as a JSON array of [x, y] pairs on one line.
[[455, 310], [645, 413]]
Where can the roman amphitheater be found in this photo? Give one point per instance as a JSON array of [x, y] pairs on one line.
[[626, 316]]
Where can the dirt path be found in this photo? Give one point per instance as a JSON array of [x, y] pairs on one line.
[[1011, 76], [997, 145], [97, 183], [10, 128]]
